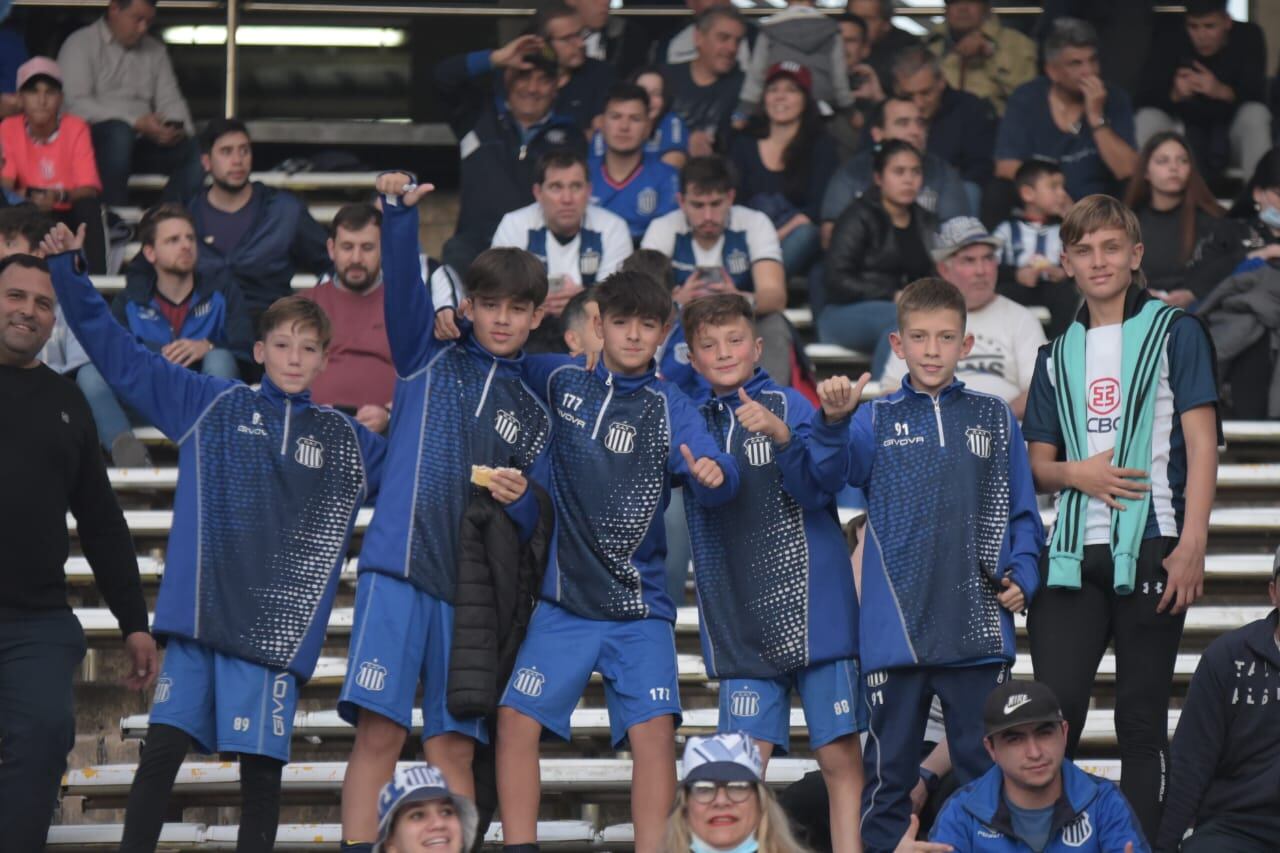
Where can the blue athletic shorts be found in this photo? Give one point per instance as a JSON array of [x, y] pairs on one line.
[[225, 703], [830, 692], [401, 636], [637, 659]]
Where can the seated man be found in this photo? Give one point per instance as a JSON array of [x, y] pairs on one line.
[[1032, 799], [1006, 336], [120, 80], [864, 84], [1226, 752], [359, 377], [883, 38], [704, 91], [943, 193], [628, 180], [501, 138], [1207, 80], [193, 320], [961, 127], [715, 246], [582, 82], [578, 243], [978, 54], [251, 235], [48, 158], [1070, 116]]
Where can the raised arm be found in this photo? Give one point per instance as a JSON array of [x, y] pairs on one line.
[[171, 397], [410, 314]]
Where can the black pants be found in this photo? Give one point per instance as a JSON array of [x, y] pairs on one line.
[[1237, 833], [88, 212], [120, 152], [1070, 630], [38, 658], [1249, 375], [1060, 297]]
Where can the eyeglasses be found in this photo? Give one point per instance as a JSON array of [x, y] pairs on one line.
[[704, 792]]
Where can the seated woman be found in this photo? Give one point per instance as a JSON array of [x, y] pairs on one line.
[[668, 135], [417, 812], [1189, 247], [784, 161], [48, 158], [879, 245], [723, 805]]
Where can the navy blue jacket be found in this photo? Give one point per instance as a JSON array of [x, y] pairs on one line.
[[282, 239], [455, 405], [217, 313], [615, 449], [268, 488], [1092, 816], [951, 512], [775, 587], [498, 156], [1225, 756], [963, 132]]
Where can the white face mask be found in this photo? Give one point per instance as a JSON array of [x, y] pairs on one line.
[[1270, 216]]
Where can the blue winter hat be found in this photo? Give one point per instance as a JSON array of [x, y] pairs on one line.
[[729, 757]]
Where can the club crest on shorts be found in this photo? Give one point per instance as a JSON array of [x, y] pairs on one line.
[[529, 682], [744, 703], [309, 452], [621, 437], [371, 676], [164, 687], [646, 201], [1076, 833], [589, 262], [979, 441], [736, 262], [759, 450], [506, 426]]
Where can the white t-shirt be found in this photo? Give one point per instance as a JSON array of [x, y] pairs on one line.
[[565, 259], [1006, 337], [1105, 407]]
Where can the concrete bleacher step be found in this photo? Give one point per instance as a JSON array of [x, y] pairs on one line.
[[100, 625], [157, 522], [556, 834], [1247, 519], [321, 213], [298, 182], [802, 318]]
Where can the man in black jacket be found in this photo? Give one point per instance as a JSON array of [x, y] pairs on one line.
[[501, 134], [1225, 757], [49, 464]]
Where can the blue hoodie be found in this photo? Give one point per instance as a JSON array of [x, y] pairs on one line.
[[455, 405], [1091, 816], [951, 512], [617, 445], [268, 488], [775, 587]]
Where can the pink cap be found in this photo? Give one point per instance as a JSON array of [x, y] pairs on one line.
[[38, 66]]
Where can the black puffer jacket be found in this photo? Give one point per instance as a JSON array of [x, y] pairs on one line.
[[498, 583], [865, 261]]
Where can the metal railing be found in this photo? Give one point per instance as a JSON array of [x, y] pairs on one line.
[[234, 8]]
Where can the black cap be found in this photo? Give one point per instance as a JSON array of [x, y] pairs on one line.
[[1018, 703]]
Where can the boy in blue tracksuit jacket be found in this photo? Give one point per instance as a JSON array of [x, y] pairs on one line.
[[776, 600], [952, 545], [457, 404], [268, 488], [1032, 800], [620, 435]]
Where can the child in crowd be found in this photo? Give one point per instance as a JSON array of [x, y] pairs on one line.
[[1122, 421], [953, 538], [775, 593], [462, 404], [1030, 266], [621, 435], [268, 489]]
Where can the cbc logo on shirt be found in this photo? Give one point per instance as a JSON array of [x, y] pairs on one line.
[[1103, 399]]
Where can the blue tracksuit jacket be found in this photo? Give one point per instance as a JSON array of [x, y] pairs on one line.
[[455, 405], [617, 445], [775, 587], [217, 312], [951, 511], [1092, 816], [268, 489]]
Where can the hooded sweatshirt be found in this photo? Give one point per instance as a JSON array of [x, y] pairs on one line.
[[805, 36]]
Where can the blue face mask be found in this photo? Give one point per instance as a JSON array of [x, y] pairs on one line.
[[1270, 217], [748, 845]]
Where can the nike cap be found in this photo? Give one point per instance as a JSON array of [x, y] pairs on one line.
[[1017, 703]]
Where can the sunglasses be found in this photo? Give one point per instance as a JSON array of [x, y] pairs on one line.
[[703, 792]]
